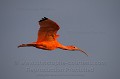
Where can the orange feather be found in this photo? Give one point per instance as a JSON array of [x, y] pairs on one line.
[[47, 37]]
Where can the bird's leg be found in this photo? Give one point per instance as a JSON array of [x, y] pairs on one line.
[[27, 45]]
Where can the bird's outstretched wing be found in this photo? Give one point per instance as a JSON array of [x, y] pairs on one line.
[[48, 30]]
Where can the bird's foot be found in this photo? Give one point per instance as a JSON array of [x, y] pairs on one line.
[[22, 45], [27, 45]]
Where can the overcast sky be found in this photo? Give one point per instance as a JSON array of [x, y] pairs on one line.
[[92, 25]]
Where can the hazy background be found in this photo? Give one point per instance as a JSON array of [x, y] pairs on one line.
[[92, 25]]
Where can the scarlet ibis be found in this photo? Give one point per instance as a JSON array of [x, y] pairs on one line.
[[47, 37]]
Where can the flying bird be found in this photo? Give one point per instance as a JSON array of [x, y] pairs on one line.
[[47, 37]]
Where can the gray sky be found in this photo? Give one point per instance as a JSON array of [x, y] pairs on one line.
[[92, 25]]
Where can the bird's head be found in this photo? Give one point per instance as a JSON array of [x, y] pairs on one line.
[[74, 48]]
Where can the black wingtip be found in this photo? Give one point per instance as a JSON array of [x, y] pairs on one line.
[[44, 18]]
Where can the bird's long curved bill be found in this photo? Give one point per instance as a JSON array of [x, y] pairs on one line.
[[83, 52]]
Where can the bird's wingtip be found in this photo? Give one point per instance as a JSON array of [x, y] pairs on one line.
[[44, 18]]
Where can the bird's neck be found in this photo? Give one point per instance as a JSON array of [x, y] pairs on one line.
[[64, 47]]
